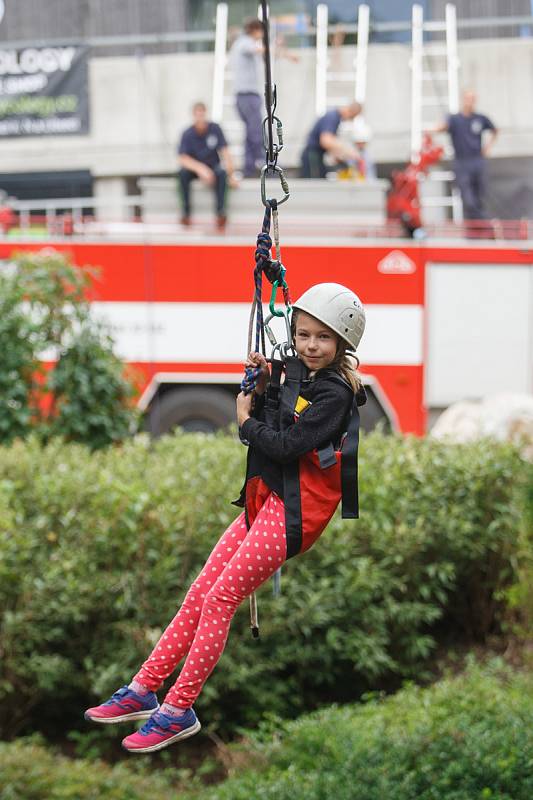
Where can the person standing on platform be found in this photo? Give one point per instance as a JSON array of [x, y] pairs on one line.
[[246, 58], [471, 149], [199, 156], [323, 139]]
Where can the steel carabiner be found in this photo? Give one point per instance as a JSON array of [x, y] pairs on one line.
[[277, 148], [270, 334], [284, 185]]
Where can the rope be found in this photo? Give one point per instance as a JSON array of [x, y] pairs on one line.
[[262, 264], [269, 93], [273, 270]]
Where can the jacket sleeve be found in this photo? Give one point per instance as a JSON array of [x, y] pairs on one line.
[[319, 424]]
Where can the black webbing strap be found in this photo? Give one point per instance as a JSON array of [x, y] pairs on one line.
[[271, 408], [295, 372], [349, 453], [326, 456]]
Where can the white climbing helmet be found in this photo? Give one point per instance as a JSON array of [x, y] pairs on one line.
[[337, 307]]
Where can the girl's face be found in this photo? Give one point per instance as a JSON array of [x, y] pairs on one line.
[[315, 343]]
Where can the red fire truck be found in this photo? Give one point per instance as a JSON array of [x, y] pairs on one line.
[[446, 319]]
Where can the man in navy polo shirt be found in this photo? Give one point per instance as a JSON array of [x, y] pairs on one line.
[[323, 139], [199, 155], [466, 132]]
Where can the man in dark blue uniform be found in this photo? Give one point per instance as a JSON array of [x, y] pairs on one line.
[[471, 150], [199, 154], [323, 139]]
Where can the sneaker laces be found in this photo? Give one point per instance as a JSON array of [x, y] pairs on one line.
[[117, 696], [153, 723]]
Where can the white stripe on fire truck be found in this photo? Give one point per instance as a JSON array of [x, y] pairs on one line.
[[216, 332]]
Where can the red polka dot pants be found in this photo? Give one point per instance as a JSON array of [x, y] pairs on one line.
[[240, 562]]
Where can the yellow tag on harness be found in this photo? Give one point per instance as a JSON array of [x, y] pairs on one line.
[[301, 404]]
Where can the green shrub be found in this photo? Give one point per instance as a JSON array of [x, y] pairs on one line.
[[31, 772], [97, 550], [93, 400], [18, 364], [86, 397], [468, 738], [519, 596]]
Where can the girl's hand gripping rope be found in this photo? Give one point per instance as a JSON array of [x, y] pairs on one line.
[[258, 364], [244, 407], [255, 381], [255, 374]]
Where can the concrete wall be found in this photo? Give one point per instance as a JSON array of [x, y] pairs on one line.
[[139, 105]]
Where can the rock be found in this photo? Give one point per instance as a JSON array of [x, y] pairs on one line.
[[504, 417], [460, 422]]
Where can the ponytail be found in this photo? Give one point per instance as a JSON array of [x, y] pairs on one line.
[[346, 364]]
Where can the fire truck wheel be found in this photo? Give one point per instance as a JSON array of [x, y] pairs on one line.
[[193, 409]]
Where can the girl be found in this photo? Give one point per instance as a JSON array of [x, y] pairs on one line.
[[327, 320]]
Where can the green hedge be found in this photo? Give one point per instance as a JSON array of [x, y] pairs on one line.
[[32, 772], [470, 738], [96, 551], [467, 738]]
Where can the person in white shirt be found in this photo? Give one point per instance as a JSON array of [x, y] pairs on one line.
[[246, 57]]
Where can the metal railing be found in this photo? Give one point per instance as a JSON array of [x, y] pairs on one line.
[[131, 40], [87, 216], [434, 25], [307, 38], [66, 216]]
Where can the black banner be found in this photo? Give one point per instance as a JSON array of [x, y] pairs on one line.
[[43, 91]]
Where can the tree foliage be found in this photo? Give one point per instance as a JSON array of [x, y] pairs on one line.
[[58, 373], [469, 737]]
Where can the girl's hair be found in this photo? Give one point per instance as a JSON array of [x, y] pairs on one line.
[[344, 361]]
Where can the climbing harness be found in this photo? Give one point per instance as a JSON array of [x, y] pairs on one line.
[[315, 483]]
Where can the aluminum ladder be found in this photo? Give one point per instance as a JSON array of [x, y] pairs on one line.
[[223, 108], [434, 88], [351, 82]]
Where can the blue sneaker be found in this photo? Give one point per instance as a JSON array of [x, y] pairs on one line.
[[161, 730], [122, 706]]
